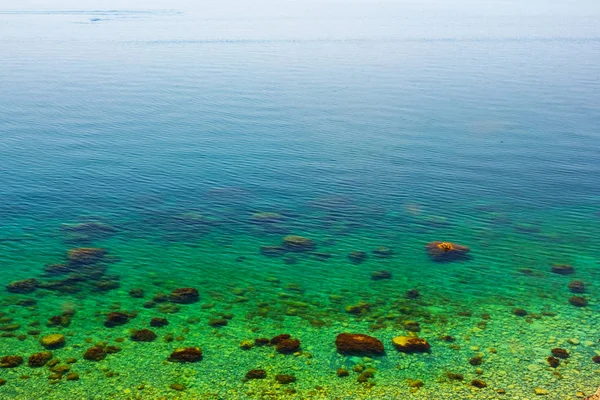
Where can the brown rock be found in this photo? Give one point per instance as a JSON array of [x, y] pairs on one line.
[[187, 354], [578, 301], [54, 341], [577, 286], [379, 275], [447, 251], [285, 379], [256, 374], [358, 344], [383, 252], [563, 269], [357, 257], [24, 286], [409, 344], [298, 243], [39, 359], [559, 353], [116, 318], [143, 335], [95, 353], [288, 346], [184, 295], [11, 361], [86, 255], [158, 322]]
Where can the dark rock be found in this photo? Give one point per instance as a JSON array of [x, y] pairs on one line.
[[577, 286], [218, 322], [563, 269], [578, 301], [412, 294], [261, 341], [519, 312], [285, 379], [187, 354], [143, 335], [383, 252], [86, 255], [95, 353], [288, 346], [379, 275], [184, 295], [357, 257], [559, 353], [279, 338], [136, 293], [298, 243], [116, 318], [25, 286], [478, 383], [39, 359], [11, 361], [553, 361], [256, 374], [358, 344], [477, 360], [158, 322], [342, 372]]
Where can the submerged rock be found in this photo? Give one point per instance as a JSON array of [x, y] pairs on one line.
[[285, 379], [95, 353], [25, 286], [298, 243], [143, 335], [357, 257], [358, 344], [563, 269], [54, 341], [86, 255], [255, 374], [187, 354], [116, 318], [272, 251], [184, 295], [11, 361], [447, 251], [379, 275], [266, 217], [409, 344], [39, 359], [158, 322], [576, 286], [383, 252], [287, 346], [578, 301]]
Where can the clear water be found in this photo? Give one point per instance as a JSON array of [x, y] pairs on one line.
[[363, 126]]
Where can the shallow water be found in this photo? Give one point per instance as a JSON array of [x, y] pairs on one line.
[[161, 136]]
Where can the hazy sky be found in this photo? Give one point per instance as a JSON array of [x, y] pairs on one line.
[[270, 7]]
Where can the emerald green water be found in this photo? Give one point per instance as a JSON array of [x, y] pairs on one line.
[[160, 136]]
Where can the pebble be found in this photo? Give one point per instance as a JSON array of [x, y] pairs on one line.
[[541, 392]]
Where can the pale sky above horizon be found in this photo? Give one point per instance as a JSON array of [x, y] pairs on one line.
[[471, 7]]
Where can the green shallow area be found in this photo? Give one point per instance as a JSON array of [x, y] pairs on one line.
[[494, 317]]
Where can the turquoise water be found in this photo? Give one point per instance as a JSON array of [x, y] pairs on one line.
[[160, 136]]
